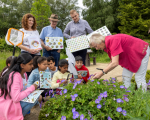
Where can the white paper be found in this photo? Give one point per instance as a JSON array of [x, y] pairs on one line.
[[78, 43], [54, 42], [103, 31], [33, 96], [34, 42]]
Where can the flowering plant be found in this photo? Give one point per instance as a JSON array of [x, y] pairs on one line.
[[96, 100]]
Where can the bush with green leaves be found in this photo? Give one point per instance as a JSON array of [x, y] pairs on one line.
[[96, 100]]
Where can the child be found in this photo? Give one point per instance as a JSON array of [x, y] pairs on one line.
[[81, 68], [51, 65], [11, 89], [40, 64], [8, 60], [61, 74]]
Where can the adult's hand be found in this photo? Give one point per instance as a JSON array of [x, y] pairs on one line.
[[33, 51], [48, 48], [97, 75], [73, 37]]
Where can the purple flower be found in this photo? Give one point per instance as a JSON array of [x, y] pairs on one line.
[[98, 82], [119, 109], [97, 101], [125, 95], [114, 85], [104, 103], [63, 118], [90, 114], [121, 86], [49, 92], [109, 118], [78, 82], [75, 115], [124, 112], [92, 80], [85, 119], [75, 95], [99, 106], [89, 78], [108, 84], [65, 91], [126, 99], [128, 91], [46, 115], [119, 100], [82, 117], [52, 95], [125, 88], [99, 98], [105, 94], [41, 104], [101, 95], [73, 110], [113, 79], [62, 81], [46, 94], [60, 92], [74, 86]]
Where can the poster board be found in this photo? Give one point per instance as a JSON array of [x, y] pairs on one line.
[[54, 42], [34, 42]]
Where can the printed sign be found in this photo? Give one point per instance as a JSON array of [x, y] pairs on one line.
[[78, 43], [54, 42], [34, 42], [45, 79], [103, 31], [33, 96]]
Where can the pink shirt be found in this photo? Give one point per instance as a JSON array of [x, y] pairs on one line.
[[10, 108], [131, 50]]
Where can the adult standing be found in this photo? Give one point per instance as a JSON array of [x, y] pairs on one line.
[[129, 52], [29, 29], [51, 31], [77, 27]]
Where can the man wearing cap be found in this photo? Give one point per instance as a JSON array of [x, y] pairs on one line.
[[51, 31], [77, 27]]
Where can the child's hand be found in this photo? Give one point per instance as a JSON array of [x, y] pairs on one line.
[[35, 86], [65, 82], [79, 76], [72, 79]]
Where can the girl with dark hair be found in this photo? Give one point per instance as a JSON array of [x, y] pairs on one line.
[[61, 74], [40, 64], [8, 60], [13, 89]]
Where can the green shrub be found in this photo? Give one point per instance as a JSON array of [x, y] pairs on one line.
[[83, 99]]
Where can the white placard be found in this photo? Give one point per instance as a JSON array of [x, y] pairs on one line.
[[103, 31], [54, 42], [78, 43], [34, 42]]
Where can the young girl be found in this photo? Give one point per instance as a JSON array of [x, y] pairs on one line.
[[40, 64], [11, 89], [8, 60], [61, 74]]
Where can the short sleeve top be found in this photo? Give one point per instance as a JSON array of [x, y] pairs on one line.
[[131, 50], [26, 35]]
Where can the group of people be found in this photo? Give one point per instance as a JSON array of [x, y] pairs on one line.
[[129, 52]]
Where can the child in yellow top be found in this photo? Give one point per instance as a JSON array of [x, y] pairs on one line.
[[61, 74]]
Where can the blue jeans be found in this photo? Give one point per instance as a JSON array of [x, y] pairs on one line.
[[27, 106], [53, 53]]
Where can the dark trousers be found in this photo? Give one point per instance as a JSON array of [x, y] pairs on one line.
[[53, 53], [33, 55], [81, 53]]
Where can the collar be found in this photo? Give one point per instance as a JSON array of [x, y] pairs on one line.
[[52, 28], [78, 21]]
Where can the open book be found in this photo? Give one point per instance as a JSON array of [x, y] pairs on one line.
[[33, 96]]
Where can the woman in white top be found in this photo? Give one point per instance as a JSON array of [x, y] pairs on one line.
[[29, 29]]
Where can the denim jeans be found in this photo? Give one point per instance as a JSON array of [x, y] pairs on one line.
[[27, 106], [53, 53]]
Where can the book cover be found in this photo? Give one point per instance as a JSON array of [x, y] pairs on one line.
[[45, 79]]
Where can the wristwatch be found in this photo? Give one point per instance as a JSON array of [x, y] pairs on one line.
[[101, 70]]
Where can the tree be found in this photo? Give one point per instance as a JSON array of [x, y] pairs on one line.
[[101, 12], [134, 17], [62, 9], [41, 11]]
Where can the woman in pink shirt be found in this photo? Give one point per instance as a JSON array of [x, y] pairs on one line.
[[13, 88], [130, 52]]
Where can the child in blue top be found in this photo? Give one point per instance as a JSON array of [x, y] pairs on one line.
[[40, 64]]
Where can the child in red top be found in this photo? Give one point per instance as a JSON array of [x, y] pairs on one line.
[[83, 72]]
